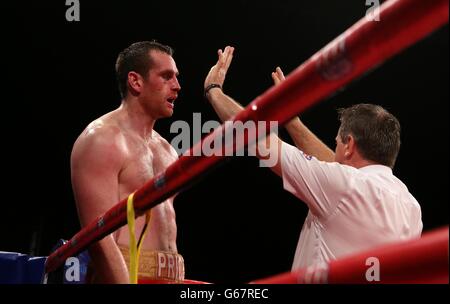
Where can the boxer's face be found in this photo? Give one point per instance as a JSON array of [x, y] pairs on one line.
[[160, 87]]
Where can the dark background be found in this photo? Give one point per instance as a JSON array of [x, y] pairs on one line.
[[238, 224]]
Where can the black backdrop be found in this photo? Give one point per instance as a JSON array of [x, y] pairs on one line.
[[237, 224]]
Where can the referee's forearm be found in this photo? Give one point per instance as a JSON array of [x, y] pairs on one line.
[[225, 107], [307, 141]]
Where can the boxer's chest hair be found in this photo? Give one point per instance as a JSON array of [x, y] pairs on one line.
[[146, 160]]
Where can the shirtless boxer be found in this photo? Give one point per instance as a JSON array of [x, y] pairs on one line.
[[117, 153]]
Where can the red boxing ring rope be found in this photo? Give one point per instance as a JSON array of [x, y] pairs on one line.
[[365, 45], [418, 261]]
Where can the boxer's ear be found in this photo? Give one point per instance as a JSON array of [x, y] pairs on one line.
[[135, 83]]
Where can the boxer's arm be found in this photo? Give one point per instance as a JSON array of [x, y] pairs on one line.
[[303, 138], [95, 165]]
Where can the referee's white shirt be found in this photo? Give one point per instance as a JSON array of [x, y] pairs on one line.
[[350, 210]]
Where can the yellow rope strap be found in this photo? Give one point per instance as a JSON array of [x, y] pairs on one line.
[[135, 250]]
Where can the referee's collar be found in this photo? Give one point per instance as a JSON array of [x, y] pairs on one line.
[[376, 169]]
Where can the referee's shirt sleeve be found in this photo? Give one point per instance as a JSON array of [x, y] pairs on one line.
[[321, 185]]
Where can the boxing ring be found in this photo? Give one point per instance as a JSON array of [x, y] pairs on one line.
[[364, 46]]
